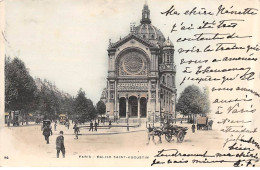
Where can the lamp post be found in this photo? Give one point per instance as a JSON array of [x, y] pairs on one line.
[[162, 116], [149, 116], [127, 121], [107, 116], [117, 117], [157, 113], [153, 114]]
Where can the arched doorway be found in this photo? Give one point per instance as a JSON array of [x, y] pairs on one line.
[[122, 107], [133, 106], [143, 107]]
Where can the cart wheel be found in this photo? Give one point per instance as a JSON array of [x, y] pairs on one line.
[[168, 137], [180, 137]]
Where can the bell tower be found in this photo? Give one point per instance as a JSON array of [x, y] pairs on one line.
[[167, 64], [167, 76], [146, 15]]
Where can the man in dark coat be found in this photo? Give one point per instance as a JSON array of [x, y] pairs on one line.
[[60, 145], [96, 124], [91, 126], [68, 124], [55, 126], [47, 132], [193, 128], [76, 131]]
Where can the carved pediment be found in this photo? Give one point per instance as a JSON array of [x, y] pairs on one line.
[[128, 38]]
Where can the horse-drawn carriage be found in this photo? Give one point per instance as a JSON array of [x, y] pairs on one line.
[[174, 130], [169, 131], [46, 124], [62, 119], [204, 123]]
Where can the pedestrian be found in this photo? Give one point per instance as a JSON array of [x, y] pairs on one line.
[[98, 121], [166, 124], [193, 128], [68, 124], [55, 125], [110, 122], [76, 131], [47, 132], [60, 145], [9, 120], [91, 126], [96, 124]]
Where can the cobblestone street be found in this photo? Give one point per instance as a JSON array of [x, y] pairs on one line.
[[93, 146]]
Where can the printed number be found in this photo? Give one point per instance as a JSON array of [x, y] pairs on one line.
[[6, 157]]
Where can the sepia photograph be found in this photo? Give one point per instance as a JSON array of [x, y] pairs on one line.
[[129, 83]]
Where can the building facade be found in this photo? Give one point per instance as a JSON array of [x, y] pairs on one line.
[[141, 74]]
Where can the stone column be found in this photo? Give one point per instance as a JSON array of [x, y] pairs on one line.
[[163, 57], [126, 102], [147, 106], [157, 95], [117, 106], [138, 111], [115, 99]]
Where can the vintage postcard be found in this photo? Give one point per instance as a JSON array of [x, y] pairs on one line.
[[130, 83]]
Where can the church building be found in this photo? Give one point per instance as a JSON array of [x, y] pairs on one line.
[[141, 74]]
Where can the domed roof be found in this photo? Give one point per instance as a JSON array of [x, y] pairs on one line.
[[149, 32], [146, 30], [168, 43]]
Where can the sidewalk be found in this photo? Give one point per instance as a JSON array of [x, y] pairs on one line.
[[100, 130], [24, 125]]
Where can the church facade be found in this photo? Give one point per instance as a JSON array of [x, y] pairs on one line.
[[141, 74]]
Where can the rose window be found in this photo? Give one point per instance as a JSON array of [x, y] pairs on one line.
[[132, 63]]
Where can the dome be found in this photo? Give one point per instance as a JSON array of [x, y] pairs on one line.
[[168, 43], [146, 30], [149, 32]]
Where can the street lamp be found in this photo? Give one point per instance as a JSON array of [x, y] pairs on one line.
[[153, 114], [107, 115], [157, 113], [127, 121], [117, 116], [149, 116]]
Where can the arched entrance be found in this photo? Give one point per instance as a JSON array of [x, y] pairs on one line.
[[122, 107], [133, 106], [143, 107]]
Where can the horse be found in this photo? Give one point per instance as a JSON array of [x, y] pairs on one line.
[[154, 131]]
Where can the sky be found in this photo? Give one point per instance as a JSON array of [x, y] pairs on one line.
[[66, 41]]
